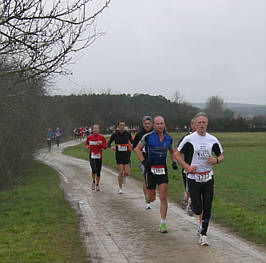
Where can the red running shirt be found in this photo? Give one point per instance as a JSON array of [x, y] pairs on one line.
[[95, 142]]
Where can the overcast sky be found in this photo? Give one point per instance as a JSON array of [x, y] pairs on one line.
[[199, 48]]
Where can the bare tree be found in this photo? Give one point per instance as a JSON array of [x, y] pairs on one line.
[[178, 97], [215, 107], [39, 37]]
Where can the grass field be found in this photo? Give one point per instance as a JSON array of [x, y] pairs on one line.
[[240, 182], [37, 223]]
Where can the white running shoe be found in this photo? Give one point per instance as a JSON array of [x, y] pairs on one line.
[[203, 240], [120, 191], [148, 206]]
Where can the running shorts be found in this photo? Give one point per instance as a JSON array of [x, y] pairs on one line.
[[154, 179], [96, 166], [122, 158]]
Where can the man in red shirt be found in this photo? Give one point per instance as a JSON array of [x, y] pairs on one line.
[[95, 142]]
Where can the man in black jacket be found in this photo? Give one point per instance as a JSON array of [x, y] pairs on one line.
[[147, 127]]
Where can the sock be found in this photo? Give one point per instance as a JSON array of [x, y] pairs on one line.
[[94, 182], [205, 224], [163, 221]]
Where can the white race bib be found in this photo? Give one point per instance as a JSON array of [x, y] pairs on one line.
[[95, 155], [203, 178], [122, 148], [158, 170]]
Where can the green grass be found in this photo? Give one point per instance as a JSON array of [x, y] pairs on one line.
[[37, 223], [240, 182]]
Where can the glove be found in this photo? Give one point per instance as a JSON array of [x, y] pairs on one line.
[[174, 165], [146, 164]]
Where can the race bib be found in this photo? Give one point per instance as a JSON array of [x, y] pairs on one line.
[[158, 170], [122, 147], [95, 155], [203, 178]]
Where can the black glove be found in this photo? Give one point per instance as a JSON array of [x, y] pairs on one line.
[[146, 164], [174, 165]]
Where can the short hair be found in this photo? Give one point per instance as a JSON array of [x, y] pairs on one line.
[[193, 119], [147, 118], [201, 114], [158, 117], [120, 122]]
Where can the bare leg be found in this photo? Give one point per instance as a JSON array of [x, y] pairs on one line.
[[120, 174], [163, 200]]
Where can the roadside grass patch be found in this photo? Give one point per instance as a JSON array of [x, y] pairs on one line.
[[37, 223]]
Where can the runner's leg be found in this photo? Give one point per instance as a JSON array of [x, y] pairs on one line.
[[120, 175], [207, 196], [163, 200]]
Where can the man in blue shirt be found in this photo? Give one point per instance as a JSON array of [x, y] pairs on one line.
[[49, 137], [156, 144], [57, 134]]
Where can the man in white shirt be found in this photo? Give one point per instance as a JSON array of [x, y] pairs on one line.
[[199, 147]]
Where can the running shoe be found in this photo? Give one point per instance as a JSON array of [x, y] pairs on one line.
[[97, 188], [120, 191], [184, 202], [124, 180], [148, 205], [93, 186], [203, 240], [163, 228], [189, 208]]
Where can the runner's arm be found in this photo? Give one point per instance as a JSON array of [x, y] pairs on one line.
[[87, 144], [139, 153], [104, 145], [178, 157], [110, 140]]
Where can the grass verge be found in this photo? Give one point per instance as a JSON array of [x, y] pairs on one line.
[[37, 223], [240, 183]]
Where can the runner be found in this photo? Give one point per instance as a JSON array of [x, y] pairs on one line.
[[156, 144], [186, 200], [199, 147], [147, 127], [122, 148], [49, 137], [57, 135], [95, 142]]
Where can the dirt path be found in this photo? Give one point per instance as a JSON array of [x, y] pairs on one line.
[[116, 228]]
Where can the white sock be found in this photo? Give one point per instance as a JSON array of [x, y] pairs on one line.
[[163, 221]]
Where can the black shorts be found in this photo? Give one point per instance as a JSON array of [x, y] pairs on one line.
[[96, 166], [122, 158], [153, 179]]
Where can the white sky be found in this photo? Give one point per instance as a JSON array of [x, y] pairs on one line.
[[197, 47]]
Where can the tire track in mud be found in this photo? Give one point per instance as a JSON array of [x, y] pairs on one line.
[[117, 229]]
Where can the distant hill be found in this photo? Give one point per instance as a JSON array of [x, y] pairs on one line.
[[242, 109]]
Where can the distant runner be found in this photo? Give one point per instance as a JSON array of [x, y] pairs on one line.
[[156, 144], [123, 144], [147, 127], [199, 147], [96, 142], [186, 200], [57, 135], [49, 138]]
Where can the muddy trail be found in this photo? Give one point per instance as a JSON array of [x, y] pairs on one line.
[[117, 228]]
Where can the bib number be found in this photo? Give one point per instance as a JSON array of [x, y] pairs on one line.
[[95, 155], [203, 178], [122, 148], [158, 170]]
